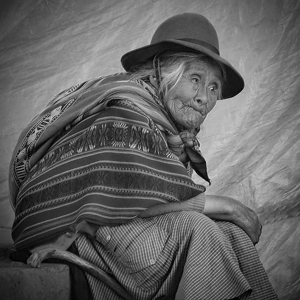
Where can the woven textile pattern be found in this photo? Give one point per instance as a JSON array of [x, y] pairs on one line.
[[103, 165]]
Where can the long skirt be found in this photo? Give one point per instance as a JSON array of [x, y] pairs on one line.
[[178, 256]]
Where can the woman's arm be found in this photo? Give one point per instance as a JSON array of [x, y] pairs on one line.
[[194, 204], [228, 209], [220, 208]]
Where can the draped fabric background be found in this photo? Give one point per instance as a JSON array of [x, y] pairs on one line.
[[251, 142]]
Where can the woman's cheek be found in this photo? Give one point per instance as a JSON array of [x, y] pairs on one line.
[[174, 107], [211, 105]]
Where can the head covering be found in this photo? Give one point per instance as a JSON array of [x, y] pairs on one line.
[[187, 32]]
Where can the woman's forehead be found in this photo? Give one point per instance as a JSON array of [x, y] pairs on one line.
[[204, 67]]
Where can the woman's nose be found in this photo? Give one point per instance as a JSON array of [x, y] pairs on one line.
[[201, 96]]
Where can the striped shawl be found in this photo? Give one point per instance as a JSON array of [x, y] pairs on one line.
[[102, 152]]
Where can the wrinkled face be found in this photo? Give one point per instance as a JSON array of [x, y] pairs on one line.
[[195, 95]]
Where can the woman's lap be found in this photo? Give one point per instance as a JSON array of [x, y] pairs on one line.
[[153, 257]]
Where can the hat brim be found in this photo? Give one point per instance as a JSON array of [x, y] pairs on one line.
[[234, 83]]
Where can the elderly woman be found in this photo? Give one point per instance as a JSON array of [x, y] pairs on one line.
[[106, 168]]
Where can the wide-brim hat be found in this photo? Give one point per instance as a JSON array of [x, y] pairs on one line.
[[187, 32]]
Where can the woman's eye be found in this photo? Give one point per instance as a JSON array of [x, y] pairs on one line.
[[195, 80], [213, 88]]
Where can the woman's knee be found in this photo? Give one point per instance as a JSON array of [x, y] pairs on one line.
[[197, 221]]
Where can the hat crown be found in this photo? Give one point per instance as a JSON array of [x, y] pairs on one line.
[[190, 27]]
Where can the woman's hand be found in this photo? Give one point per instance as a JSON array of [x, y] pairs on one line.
[[229, 209], [248, 220]]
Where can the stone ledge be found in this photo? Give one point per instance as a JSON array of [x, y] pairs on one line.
[[19, 281]]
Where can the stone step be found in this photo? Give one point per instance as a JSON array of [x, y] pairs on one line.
[[19, 281]]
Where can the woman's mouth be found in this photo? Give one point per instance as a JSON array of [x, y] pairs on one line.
[[187, 114]]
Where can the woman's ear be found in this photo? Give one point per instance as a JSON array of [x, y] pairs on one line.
[[153, 81]]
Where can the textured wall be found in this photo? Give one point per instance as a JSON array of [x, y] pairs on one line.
[[251, 142]]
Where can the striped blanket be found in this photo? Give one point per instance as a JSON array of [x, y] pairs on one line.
[[102, 152]]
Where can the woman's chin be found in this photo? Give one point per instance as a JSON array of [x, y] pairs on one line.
[[188, 125], [192, 123]]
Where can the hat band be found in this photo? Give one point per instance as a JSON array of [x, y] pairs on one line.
[[201, 43]]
